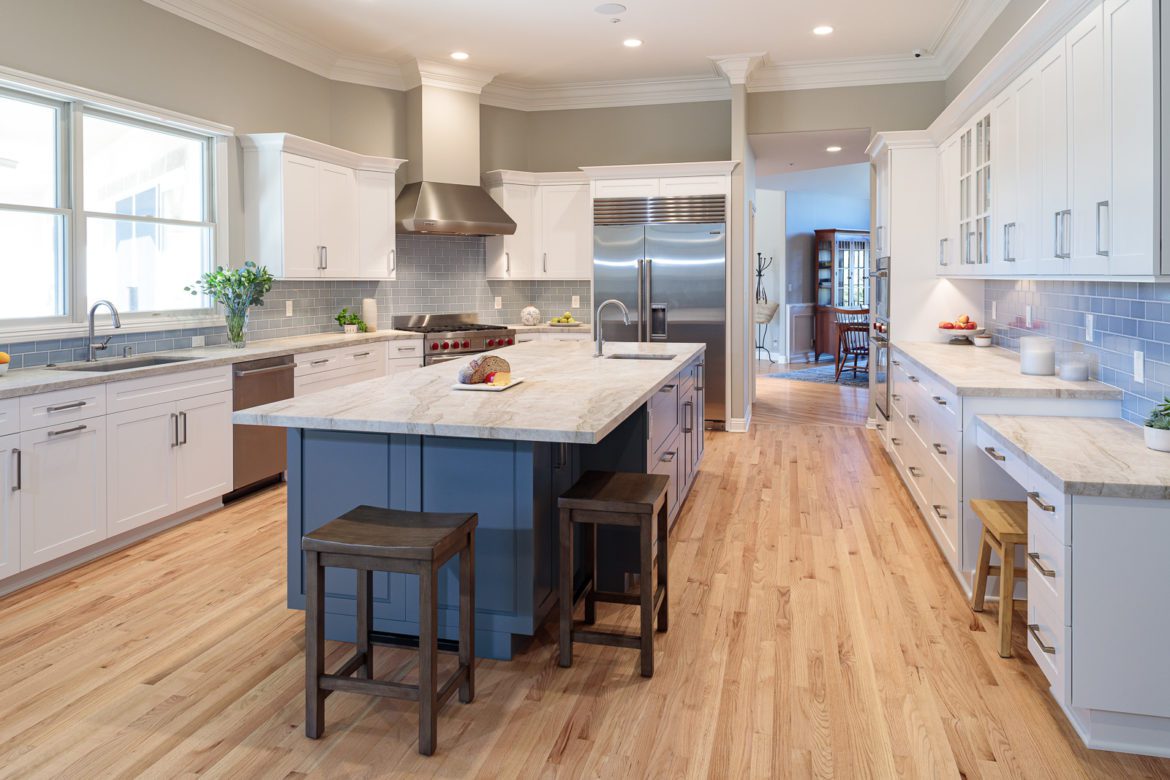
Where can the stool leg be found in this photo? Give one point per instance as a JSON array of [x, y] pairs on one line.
[[1007, 587], [314, 647], [663, 573], [365, 621], [590, 531], [979, 587], [467, 618], [428, 656], [566, 576], [646, 587]]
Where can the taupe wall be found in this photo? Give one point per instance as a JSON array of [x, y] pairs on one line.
[[566, 140], [882, 107], [1009, 21], [135, 51]]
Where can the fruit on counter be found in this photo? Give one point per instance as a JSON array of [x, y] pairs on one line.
[[963, 322], [946, 325], [564, 319], [482, 366], [963, 318], [5, 358]]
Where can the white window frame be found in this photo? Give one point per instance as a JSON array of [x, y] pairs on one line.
[[74, 102]]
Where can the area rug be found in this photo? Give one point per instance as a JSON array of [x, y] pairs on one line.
[[824, 375]]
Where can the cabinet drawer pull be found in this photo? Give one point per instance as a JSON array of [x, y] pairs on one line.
[[1034, 497], [319, 362], [915, 471], [941, 515], [938, 400], [407, 349], [1034, 630], [941, 450], [699, 376], [897, 397], [912, 418], [63, 431], [913, 379], [690, 406], [667, 388], [896, 362], [880, 426], [183, 422], [994, 455], [1035, 559], [361, 355], [896, 441], [19, 470], [65, 407], [668, 457]]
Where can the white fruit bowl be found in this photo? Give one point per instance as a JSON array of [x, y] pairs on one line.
[[954, 335]]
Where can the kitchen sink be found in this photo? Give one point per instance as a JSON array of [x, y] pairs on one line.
[[640, 356], [121, 364]]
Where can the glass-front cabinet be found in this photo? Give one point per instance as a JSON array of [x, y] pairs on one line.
[[975, 195], [841, 260]]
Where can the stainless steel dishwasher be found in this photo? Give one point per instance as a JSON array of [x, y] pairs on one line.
[[260, 455]]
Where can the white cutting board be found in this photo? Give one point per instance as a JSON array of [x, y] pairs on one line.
[[486, 388]]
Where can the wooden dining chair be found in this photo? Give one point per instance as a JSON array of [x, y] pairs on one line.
[[852, 341]]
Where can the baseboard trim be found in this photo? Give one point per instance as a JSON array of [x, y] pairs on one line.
[[738, 424]]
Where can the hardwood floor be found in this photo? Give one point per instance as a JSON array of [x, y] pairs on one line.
[[815, 631], [780, 401]]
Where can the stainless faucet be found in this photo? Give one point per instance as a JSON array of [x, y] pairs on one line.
[[97, 346], [597, 319]]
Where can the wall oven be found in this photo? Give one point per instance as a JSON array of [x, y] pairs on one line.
[[879, 342]]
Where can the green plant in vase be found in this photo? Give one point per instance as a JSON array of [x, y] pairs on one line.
[[1157, 429], [237, 290], [350, 322]]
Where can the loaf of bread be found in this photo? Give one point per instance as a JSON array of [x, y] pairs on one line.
[[480, 367]]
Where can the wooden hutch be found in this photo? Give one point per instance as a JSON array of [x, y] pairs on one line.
[[841, 266]]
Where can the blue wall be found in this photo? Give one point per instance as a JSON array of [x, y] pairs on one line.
[[1127, 317], [807, 212]]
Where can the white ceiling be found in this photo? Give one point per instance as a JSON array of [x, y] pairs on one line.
[[850, 181], [781, 153], [550, 44]]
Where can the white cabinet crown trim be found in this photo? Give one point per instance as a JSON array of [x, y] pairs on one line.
[[304, 147], [502, 176], [660, 170]]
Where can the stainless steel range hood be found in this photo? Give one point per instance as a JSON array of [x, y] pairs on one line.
[[442, 195], [451, 210]]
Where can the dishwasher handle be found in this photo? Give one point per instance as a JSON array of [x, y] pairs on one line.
[[269, 370]]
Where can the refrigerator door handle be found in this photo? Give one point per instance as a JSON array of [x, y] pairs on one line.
[[649, 304], [641, 303]]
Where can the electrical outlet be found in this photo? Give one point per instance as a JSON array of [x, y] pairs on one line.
[[576, 302], [198, 341], [994, 312], [1028, 316], [499, 302], [288, 308], [1139, 367], [1089, 328]]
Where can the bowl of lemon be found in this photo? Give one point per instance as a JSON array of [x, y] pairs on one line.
[[566, 320], [5, 361]]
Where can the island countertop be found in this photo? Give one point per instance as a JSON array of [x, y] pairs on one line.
[[567, 396]]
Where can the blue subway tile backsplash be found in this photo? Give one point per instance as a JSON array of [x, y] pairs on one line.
[[1127, 317], [436, 274]]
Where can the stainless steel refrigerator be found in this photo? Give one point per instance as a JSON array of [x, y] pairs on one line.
[[671, 275]]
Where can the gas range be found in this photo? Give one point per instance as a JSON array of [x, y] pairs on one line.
[[452, 336]]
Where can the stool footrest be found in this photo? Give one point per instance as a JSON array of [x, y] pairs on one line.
[[393, 690], [609, 638], [614, 597], [452, 684]]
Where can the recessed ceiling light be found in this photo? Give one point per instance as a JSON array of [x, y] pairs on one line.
[[459, 55], [632, 43], [822, 29], [610, 9], [833, 149]]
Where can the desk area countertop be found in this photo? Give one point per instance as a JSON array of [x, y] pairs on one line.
[[993, 372], [567, 396], [1085, 456]]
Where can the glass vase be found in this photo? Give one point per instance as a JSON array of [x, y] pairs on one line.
[[237, 327]]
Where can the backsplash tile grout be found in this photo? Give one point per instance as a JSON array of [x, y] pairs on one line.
[[436, 274]]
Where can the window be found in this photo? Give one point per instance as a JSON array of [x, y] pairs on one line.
[[99, 205]]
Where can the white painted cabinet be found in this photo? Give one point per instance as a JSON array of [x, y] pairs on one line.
[[327, 369], [140, 453], [205, 438], [948, 206], [554, 226], [881, 228], [1005, 221], [1087, 227], [1024, 239], [10, 457], [1054, 214], [314, 211], [63, 490]]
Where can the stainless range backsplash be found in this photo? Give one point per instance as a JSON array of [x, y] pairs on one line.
[[436, 274], [1127, 317]]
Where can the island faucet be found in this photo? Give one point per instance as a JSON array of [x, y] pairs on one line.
[[97, 346], [597, 319]]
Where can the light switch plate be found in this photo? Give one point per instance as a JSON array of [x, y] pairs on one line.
[[576, 302], [288, 308], [1139, 367], [198, 341], [1089, 328], [499, 302], [994, 311], [1028, 316]]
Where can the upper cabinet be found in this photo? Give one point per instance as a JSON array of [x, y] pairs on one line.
[[554, 226], [317, 212], [1059, 176]]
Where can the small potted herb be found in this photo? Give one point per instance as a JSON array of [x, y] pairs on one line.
[[236, 290], [1158, 427], [350, 322]]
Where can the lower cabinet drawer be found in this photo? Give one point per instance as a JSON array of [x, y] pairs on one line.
[[1049, 563], [327, 380], [1046, 509], [663, 415], [669, 463], [991, 447], [1049, 640], [60, 407], [9, 416], [943, 511], [405, 349]]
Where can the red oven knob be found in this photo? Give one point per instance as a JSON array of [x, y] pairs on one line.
[[466, 344], [445, 345], [491, 342], [510, 342], [434, 345]]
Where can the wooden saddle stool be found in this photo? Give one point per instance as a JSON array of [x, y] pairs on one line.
[[1005, 525]]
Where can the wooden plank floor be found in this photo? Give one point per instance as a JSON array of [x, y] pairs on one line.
[[814, 632]]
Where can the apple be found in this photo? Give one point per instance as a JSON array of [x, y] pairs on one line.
[[947, 325], [963, 319], [970, 326]]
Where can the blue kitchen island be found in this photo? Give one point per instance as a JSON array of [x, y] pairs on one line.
[[410, 441]]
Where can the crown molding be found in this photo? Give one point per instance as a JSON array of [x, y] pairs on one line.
[[845, 73], [429, 73], [661, 170], [967, 25], [737, 68], [315, 150], [902, 139], [501, 176], [605, 94]]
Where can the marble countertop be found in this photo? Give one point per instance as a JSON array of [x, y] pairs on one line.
[[567, 396], [994, 372], [1085, 456], [26, 381]]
